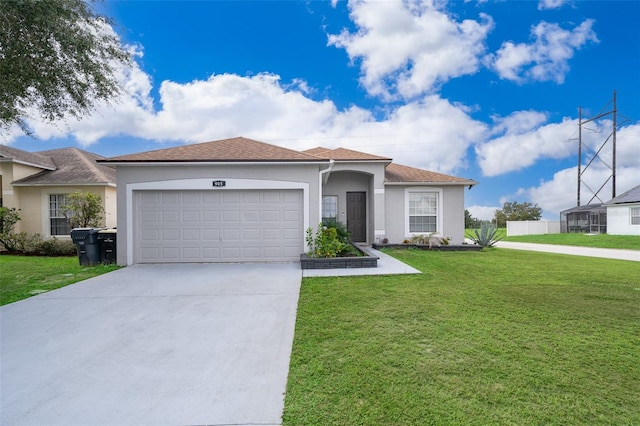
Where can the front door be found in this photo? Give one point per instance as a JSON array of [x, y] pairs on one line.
[[357, 216]]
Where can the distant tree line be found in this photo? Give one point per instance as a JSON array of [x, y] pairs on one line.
[[510, 211]]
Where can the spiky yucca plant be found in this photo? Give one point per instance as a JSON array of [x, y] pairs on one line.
[[486, 236]]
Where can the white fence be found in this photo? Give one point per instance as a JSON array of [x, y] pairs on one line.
[[532, 227]]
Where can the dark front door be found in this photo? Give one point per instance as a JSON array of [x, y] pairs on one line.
[[357, 215]]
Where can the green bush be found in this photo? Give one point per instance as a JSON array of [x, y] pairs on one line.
[[486, 236], [329, 241], [35, 245], [55, 247], [22, 242]]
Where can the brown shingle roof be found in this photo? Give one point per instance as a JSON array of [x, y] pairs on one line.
[[396, 173], [344, 154], [231, 150], [72, 166], [25, 157]]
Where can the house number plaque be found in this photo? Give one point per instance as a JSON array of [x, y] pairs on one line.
[[219, 183]]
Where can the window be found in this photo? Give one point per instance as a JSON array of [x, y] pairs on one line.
[[58, 223], [635, 215], [423, 212], [329, 209]]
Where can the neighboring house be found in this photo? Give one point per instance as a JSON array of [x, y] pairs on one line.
[[589, 219], [240, 200], [623, 213], [37, 183]]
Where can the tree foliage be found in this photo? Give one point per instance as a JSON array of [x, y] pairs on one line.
[[83, 210], [8, 219], [57, 58], [471, 222], [516, 211]]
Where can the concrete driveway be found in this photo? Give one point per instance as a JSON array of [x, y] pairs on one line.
[[197, 344]]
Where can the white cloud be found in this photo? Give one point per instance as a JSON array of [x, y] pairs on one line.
[[551, 4], [523, 140], [431, 132], [544, 59], [409, 48], [483, 212]]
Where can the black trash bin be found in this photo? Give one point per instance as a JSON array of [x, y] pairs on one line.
[[107, 241], [86, 241]]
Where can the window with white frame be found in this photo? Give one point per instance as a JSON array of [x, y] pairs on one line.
[[329, 209], [635, 215], [423, 212], [57, 222]]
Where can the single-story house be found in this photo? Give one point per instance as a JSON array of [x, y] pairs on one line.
[[588, 219], [623, 213], [37, 183], [240, 200]]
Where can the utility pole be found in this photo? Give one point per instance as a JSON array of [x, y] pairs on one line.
[[579, 151], [596, 154], [615, 125]]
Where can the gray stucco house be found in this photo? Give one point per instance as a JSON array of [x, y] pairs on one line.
[[240, 200]]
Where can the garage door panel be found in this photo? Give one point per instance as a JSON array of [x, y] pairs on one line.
[[271, 216], [218, 226], [170, 235], [170, 216], [169, 197], [211, 235]]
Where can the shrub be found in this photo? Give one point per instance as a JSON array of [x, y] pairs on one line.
[[22, 242], [486, 236], [8, 219], [56, 247], [331, 241]]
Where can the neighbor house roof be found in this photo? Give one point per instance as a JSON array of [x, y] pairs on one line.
[[397, 173], [71, 166], [344, 154], [227, 150], [27, 158], [585, 208], [631, 196]]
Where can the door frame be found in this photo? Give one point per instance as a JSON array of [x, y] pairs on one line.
[[364, 210]]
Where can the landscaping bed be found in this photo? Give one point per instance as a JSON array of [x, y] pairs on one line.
[[366, 260], [442, 247]]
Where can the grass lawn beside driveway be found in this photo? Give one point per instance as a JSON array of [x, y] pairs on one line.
[[629, 242], [480, 338], [25, 276]]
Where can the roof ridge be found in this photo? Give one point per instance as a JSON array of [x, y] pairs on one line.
[[90, 162]]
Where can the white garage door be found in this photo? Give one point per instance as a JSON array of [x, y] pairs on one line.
[[218, 226]]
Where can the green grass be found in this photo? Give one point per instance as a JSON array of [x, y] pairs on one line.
[[500, 337], [25, 276], [630, 242]]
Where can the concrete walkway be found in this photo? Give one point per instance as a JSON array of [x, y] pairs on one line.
[[632, 255], [190, 344], [387, 265]]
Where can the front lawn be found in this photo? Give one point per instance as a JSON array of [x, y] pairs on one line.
[[480, 338], [630, 242], [26, 276]]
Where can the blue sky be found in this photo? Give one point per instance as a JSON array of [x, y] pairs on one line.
[[487, 90]]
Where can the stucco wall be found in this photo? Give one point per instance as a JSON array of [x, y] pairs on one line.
[[451, 204], [619, 220], [10, 172], [127, 175], [34, 205]]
